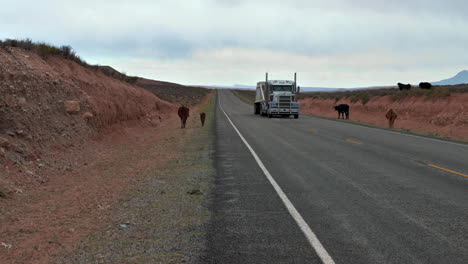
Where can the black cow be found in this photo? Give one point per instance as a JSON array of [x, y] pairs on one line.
[[425, 85], [404, 86], [343, 109], [202, 118], [184, 113]]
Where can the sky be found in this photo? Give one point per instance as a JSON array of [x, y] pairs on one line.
[[333, 43]]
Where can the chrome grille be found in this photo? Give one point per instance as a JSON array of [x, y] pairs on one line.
[[284, 101]]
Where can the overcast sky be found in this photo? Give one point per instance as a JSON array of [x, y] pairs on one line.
[[333, 43]]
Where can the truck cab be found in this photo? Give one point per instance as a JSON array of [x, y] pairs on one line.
[[277, 98]]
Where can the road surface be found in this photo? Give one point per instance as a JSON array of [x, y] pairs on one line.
[[366, 195]]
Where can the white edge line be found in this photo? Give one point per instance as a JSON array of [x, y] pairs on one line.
[[309, 234]]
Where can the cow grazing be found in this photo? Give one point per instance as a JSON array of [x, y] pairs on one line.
[[391, 117], [404, 86], [425, 85], [343, 109], [202, 118], [184, 113]]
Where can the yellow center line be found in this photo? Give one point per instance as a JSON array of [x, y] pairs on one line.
[[451, 171], [313, 130], [355, 142]]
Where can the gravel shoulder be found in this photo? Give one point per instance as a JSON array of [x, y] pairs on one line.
[[124, 200], [163, 218]]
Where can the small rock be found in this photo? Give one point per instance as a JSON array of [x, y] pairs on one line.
[[18, 149], [19, 132], [125, 225], [40, 165], [87, 116], [4, 143], [195, 192], [21, 101], [10, 133], [72, 107], [7, 246]]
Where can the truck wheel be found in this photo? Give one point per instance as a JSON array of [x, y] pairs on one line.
[[270, 115], [296, 116]]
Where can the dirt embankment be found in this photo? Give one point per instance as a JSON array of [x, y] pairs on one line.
[[124, 201], [446, 117], [73, 143], [49, 105]]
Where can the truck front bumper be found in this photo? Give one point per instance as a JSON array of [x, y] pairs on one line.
[[284, 111]]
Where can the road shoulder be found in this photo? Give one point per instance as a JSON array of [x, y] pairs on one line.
[[164, 216]]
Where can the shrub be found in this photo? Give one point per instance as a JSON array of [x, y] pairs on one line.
[[438, 92], [46, 50], [365, 98], [354, 99]]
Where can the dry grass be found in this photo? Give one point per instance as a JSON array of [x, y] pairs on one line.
[[46, 50]]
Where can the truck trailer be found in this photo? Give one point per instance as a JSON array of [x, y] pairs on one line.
[[277, 97]]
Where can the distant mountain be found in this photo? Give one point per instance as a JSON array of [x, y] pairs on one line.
[[460, 78], [241, 86]]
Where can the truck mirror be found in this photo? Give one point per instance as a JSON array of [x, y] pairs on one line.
[[298, 89]]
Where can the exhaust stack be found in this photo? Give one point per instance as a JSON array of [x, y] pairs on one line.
[[295, 81]]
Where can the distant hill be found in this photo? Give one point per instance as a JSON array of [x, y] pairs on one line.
[[167, 91], [251, 87], [173, 92], [460, 78]]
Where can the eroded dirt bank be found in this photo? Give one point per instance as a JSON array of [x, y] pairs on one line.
[[52, 105], [126, 201], [446, 117], [75, 145]]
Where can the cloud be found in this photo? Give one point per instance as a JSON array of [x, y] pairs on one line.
[[237, 65], [394, 37]]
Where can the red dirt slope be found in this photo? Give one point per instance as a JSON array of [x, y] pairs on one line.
[[34, 120], [447, 117]]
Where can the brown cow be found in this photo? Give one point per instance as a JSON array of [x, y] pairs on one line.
[[184, 113], [202, 118], [391, 117]]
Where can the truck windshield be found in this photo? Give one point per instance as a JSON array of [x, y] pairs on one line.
[[281, 88]]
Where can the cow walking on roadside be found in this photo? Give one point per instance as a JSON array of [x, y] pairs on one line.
[[343, 109], [202, 118], [184, 113], [391, 117]]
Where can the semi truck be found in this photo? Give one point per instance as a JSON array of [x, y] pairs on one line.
[[277, 98]]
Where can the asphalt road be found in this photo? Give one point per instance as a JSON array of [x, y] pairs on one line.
[[369, 195]]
